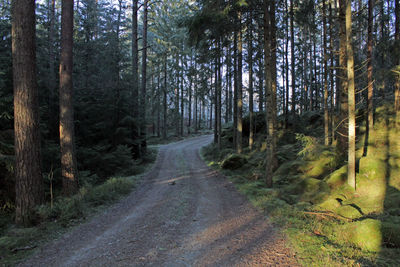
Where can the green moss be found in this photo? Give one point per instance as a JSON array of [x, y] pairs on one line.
[[234, 161], [330, 204], [365, 234], [337, 177], [373, 168], [348, 211], [325, 163]]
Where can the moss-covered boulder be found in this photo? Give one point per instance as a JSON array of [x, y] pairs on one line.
[[349, 211], [234, 161], [337, 178], [365, 234], [323, 164]]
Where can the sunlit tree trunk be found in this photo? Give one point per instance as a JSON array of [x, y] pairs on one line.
[[67, 136], [28, 175], [351, 178]]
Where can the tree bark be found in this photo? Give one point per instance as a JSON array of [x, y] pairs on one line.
[[326, 108], [351, 175], [239, 137], [165, 123], [370, 99], [143, 130], [270, 80], [28, 175], [67, 135], [397, 45], [342, 140], [292, 58], [250, 51], [135, 77]]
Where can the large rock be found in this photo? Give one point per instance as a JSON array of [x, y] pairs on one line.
[[234, 161]]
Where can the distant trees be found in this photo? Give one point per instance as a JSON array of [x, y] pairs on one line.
[[28, 174]]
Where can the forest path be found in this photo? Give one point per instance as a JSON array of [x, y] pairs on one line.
[[184, 214]]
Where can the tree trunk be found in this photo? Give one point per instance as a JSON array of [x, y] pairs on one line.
[[351, 175], [285, 71], [326, 108], [165, 123], [331, 73], [250, 51], [292, 58], [235, 89], [182, 100], [135, 77], [370, 110], [269, 50], [239, 145], [195, 96], [143, 142], [342, 140], [52, 106], [67, 136], [158, 99], [397, 45], [177, 116], [28, 175]]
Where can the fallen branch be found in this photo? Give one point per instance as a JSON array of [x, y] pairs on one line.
[[15, 250]]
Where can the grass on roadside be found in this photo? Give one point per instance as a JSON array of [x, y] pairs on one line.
[[51, 221]]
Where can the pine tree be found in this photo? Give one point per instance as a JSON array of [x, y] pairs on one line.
[[28, 175], [69, 170]]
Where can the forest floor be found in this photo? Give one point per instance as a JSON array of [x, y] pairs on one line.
[[183, 214]]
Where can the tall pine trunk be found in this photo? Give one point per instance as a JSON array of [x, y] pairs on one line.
[[239, 137], [250, 49], [342, 140], [135, 77], [397, 44], [67, 135], [326, 108], [292, 58], [28, 175], [370, 104], [143, 141], [351, 175]]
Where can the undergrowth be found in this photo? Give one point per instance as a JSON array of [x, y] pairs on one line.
[[326, 222], [52, 220]]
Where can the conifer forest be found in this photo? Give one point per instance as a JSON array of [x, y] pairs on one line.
[[199, 133]]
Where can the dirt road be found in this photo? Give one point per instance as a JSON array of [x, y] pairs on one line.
[[184, 214]]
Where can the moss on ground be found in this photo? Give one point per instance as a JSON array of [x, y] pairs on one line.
[[328, 223]]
